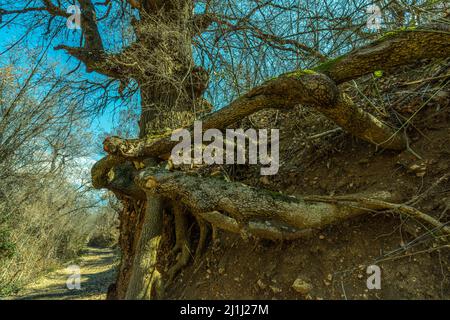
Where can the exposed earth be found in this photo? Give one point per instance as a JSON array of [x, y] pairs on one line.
[[332, 263]]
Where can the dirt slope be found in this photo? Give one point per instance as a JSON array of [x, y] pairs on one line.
[[414, 260]]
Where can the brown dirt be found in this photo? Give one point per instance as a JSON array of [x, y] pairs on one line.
[[414, 260]]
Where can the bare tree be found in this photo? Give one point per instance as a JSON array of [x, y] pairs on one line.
[[170, 50], [44, 202]]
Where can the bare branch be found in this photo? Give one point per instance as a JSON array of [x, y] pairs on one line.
[[315, 89]]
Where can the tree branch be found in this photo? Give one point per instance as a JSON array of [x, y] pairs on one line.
[[110, 65], [318, 90], [92, 38], [394, 49]]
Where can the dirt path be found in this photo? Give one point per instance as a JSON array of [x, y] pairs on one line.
[[97, 268]]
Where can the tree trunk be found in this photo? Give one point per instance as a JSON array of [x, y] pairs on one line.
[[145, 278], [167, 102], [129, 229]]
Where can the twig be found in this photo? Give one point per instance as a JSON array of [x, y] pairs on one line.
[[427, 192], [323, 134], [425, 80]]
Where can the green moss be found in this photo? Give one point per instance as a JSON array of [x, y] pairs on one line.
[[295, 74], [392, 33], [299, 73], [323, 67]]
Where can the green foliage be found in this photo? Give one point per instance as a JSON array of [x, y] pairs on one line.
[[9, 289], [378, 73]]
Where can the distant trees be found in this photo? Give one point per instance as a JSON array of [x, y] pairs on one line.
[[47, 211]]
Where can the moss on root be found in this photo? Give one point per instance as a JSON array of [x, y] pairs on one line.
[[390, 34], [323, 67], [299, 73]]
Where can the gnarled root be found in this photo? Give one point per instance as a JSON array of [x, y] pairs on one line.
[[266, 230], [239, 208], [182, 248], [204, 231]]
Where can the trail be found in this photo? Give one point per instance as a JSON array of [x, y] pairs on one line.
[[97, 266]]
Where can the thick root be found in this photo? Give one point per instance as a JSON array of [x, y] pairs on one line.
[[182, 246], [204, 231], [238, 208]]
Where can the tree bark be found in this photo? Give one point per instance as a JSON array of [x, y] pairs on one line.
[[130, 225], [239, 208], [166, 102], [144, 282]]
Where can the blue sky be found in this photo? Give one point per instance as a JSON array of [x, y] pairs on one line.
[[102, 122]]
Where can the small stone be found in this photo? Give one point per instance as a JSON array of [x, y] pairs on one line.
[[301, 286], [321, 237], [363, 161], [420, 174], [261, 284], [264, 180], [275, 289]]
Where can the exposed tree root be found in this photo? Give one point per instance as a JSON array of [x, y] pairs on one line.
[[254, 228], [383, 205], [243, 209], [182, 248], [145, 278], [248, 211], [202, 241]]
